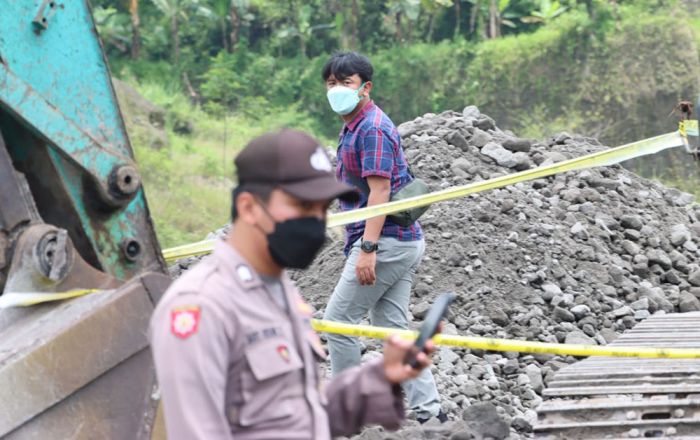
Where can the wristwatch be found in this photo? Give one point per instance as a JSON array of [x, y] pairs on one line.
[[369, 246]]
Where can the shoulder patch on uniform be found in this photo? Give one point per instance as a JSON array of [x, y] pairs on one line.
[[184, 321]]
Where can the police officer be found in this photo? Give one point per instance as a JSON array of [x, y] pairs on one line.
[[232, 341]]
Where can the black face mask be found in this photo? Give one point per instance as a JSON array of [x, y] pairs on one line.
[[295, 243]]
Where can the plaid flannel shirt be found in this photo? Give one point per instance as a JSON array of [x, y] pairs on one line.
[[370, 145]]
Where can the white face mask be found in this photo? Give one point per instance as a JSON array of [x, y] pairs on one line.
[[344, 99]]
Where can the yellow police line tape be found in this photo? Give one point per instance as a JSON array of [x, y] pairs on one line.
[[494, 344], [602, 158], [688, 128], [607, 157], [27, 299]]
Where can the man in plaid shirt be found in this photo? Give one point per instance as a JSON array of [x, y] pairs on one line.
[[382, 256]]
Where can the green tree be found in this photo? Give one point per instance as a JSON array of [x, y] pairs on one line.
[[220, 10], [113, 27], [224, 11], [300, 27], [489, 17], [548, 10], [433, 8], [239, 14], [176, 12], [398, 9], [346, 16], [590, 8]]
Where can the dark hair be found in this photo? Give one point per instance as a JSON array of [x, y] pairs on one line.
[[261, 191], [345, 64]]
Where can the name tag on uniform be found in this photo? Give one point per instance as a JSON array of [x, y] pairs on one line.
[[262, 334]]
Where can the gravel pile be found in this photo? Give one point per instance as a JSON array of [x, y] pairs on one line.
[[577, 258]]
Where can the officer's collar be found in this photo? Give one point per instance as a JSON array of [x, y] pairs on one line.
[[236, 265]]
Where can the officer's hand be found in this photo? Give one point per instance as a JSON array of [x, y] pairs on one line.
[[364, 268], [395, 352]]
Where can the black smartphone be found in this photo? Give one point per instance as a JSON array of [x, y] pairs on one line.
[[430, 325]]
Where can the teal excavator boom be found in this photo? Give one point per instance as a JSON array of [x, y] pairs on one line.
[[73, 215]]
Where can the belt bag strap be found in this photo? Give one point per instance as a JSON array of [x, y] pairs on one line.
[[415, 187]]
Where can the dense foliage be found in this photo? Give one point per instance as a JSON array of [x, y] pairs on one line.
[[258, 56], [232, 69]]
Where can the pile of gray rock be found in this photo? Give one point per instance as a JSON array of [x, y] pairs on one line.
[[579, 257], [574, 258]]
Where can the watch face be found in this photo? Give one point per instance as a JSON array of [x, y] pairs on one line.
[[367, 246]]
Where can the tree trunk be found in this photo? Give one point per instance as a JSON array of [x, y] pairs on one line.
[[355, 19], [344, 42], [175, 35], [135, 29], [590, 9], [235, 28], [494, 20], [473, 16], [399, 36], [338, 10], [296, 21], [431, 28], [302, 45], [458, 19], [224, 37], [616, 13], [195, 99]]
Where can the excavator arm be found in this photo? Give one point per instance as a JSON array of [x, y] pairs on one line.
[[73, 215]]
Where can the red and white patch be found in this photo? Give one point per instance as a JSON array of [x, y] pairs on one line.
[[184, 321]]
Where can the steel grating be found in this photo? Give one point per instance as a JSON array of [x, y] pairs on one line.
[[622, 398]]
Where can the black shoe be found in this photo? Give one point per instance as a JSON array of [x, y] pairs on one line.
[[442, 417]]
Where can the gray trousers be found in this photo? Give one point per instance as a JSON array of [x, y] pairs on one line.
[[387, 303]]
